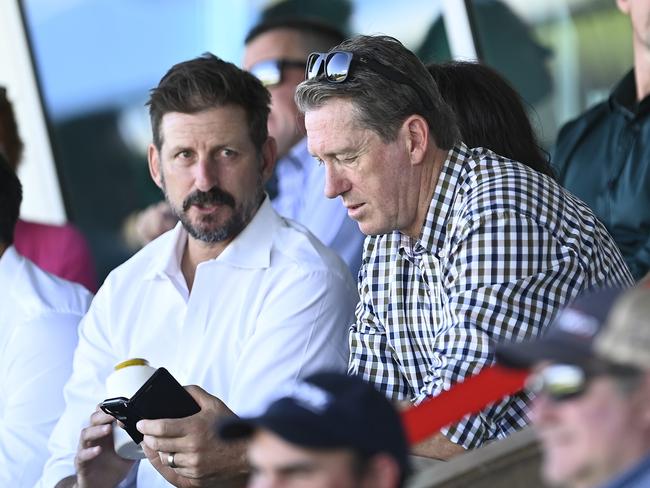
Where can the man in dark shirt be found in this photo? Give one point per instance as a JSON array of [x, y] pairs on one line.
[[603, 157]]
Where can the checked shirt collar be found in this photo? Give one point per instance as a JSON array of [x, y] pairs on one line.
[[433, 233]]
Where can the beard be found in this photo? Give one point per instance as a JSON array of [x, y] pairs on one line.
[[207, 227]]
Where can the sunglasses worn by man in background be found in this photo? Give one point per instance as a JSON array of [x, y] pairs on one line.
[[591, 377]]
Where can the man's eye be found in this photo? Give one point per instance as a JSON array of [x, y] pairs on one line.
[[319, 161], [228, 153], [184, 154]]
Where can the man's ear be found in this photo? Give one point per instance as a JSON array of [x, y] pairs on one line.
[[269, 157], [153, 156], [416, 131], [623, 6], [382, 472]]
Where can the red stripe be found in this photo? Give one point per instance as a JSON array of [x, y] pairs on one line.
[[470, 396]]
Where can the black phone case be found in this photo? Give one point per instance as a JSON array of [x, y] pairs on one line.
[[160, 397]]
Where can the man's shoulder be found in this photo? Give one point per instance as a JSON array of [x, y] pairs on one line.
[[296, 247], [493, 181], [40, 292], [502, 188], [143, 264], [574, 128]]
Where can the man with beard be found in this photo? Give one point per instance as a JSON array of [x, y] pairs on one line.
[[234, 298]]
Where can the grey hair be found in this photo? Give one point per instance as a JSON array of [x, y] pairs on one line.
[[382, 104]]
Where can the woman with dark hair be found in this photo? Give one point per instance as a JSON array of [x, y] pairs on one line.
[[58, 249], [490, 113]]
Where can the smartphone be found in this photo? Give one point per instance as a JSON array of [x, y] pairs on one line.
[[161, 397]]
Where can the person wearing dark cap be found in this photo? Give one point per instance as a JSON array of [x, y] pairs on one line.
[[591, 377], [331, 430]]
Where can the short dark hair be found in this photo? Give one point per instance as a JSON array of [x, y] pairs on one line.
[[208, 82], [11, 195], [315, 34], [9, 137], [383, 104], [490, 112]]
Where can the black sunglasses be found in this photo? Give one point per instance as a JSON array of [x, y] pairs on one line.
[[269, 71], [336, 66]]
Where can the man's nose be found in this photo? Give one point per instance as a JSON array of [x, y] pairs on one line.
[[335, 182], [540, 408], [206, 174]]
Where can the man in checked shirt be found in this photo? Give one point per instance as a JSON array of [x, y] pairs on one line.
[[466, 248]]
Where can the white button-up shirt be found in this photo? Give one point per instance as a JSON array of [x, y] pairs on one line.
[[39, 314], [272, 308]]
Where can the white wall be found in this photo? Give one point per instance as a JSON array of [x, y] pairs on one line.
[[42, 197]]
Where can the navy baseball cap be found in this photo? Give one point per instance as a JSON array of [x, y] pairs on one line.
[[330, 411], [570, 338]]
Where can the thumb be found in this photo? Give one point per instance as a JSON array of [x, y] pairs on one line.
[[207, 401]]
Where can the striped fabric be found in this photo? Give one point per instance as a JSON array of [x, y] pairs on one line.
[[503, 248]]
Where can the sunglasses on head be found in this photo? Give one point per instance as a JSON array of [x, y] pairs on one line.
[[336, 66], [566, 381], [269, 72]]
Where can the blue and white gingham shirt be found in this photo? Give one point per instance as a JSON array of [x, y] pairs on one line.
[[503, 248]]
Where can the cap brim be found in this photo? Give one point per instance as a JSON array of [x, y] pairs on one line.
[[236, 428], [525, 354], [297, 429]]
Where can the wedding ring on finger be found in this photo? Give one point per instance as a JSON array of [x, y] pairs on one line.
[[170, 460]]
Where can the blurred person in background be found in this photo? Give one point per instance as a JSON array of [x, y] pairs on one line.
[[591, 377], [39, 314], [58, 249], [329, 431], [603, 156], [489, 112], [276, 52]]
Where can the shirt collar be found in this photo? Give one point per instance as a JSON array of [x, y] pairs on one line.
[[434, 229], [10, 262], [632, 476], [623, 97], [250, 249]]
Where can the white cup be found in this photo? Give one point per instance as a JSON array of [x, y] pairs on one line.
[[127, 378]]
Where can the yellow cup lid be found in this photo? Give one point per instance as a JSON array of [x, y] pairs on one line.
[[131, 362]]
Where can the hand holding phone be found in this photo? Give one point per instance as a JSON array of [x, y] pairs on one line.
[[160, 397]]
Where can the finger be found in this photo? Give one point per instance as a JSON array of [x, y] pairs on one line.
[[85, 455], [183, 463], [99, 417], [208, 402], [163, 427], [152, 455], [91, 435], [199, 394], [162, 444]]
